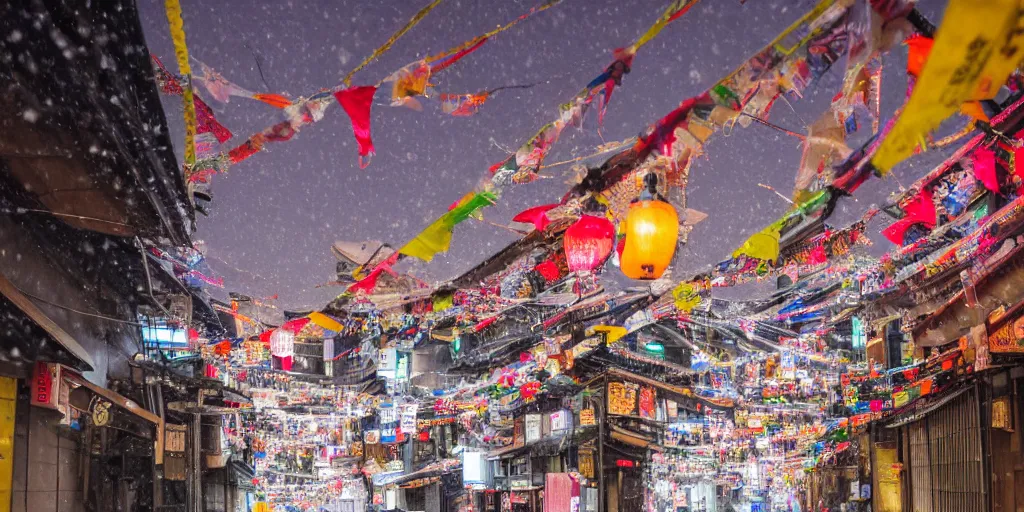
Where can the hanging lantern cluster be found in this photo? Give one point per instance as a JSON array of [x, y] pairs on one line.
[[651, 232]]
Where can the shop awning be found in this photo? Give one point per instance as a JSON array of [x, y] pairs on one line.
[[633, 438], [114, 398], [507, 451], [914, 414], [540, 445], [137, 187], [241, 474], [22, 302], [680, 391], [431, 471], [1000, 285]]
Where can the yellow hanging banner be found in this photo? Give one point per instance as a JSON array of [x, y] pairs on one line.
[[325, 321], [613, 332], [8, 402], [975, 50], [177, 27], [763, 245]]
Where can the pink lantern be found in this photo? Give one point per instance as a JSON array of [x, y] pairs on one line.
[[588, 243], [282, 343]]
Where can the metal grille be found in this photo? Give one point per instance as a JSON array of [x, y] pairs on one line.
[[920, 467], [955, 456], [309, 350], [309, 358]]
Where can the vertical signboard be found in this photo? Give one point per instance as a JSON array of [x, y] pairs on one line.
[[533, 428], [46, 385]]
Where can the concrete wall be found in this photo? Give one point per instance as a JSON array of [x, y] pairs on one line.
[[47, 476]]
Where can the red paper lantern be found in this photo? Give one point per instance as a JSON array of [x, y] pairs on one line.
[[588, 243], [548, 270], [529, 390]]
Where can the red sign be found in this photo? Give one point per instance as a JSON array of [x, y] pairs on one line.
[[623, 463], [45, 382]]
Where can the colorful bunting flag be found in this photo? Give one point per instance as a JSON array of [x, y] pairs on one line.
[[438, 235], [974, 51], [357, 102]]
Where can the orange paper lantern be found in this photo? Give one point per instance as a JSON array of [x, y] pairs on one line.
[[652, 229]]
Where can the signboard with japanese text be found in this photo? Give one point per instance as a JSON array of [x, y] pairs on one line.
[[408, 423], [586, 461], [46, 385], [174, 438], [559, 421], [648, 405], [622, 397], [1008, 338], [587, 418]]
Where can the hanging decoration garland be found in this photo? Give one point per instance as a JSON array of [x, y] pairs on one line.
[[523, 166], [410, 82], [537, 149], [205, 120], [391, 41], [177, 28], [222, 90], [464, 105]]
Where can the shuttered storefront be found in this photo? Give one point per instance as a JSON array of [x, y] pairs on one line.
[[920, 464], [945, 457]]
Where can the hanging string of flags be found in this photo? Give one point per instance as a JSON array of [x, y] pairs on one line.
[[527, 161], [222, 90], [524, 164], [391, 41], [759, 255], [800, 55], [409, 82]]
